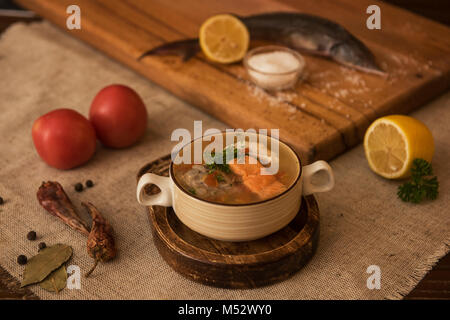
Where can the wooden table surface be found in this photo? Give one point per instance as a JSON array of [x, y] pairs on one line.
[[435, 285]]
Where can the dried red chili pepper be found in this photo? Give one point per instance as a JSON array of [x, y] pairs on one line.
[[52, 197], [100, 244]]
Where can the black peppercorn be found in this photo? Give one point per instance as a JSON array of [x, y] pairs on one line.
[[78, 187], [1, 201], [42, 245], [22, 259], [31, 235], [89, 184]]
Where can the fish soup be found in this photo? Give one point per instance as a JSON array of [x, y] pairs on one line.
[[232, 182]]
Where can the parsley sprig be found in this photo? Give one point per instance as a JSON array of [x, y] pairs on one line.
[[222, 165], [421, 186]]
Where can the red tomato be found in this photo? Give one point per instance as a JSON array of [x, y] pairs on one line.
[[118, 115], [64, 138]]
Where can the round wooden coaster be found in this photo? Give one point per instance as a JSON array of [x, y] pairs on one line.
[[226, 264]]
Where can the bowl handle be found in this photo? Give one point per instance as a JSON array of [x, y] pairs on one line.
[[164, 198], [312, 169]]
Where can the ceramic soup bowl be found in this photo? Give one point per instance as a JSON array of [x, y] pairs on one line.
[[238, 222]]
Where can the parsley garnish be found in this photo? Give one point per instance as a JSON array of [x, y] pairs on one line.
[[421, 186], [225, 157], [218, 166]]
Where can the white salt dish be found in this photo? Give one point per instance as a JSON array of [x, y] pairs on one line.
[[274, 67]]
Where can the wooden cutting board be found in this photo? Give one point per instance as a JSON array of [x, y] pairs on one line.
[[324, 115]]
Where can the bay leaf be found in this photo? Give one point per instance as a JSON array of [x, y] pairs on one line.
[[56, 281], [47, 260]]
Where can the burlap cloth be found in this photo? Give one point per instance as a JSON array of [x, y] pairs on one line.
[[362, 221]]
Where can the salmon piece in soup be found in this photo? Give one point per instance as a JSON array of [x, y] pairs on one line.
[[265, 186]]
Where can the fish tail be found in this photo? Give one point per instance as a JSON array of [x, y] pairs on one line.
[[184, 48]]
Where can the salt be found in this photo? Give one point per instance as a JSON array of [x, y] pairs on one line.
[[274, 62], [275, 70]]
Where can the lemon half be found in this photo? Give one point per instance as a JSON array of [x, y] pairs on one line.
[[391, 144], [224, 38]]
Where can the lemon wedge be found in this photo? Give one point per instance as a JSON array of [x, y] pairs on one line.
[[224, 38], [391, 144]]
